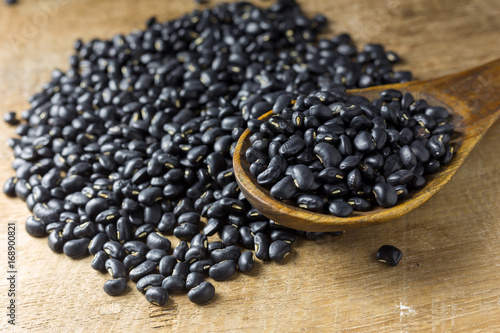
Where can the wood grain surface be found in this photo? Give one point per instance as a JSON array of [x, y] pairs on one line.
[[447, 281]]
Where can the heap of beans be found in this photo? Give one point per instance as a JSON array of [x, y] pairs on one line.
[[330, 152], [129, 150]]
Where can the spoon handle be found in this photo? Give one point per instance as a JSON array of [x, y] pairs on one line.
[[476, 92]]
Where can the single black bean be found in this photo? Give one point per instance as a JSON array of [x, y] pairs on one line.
[[35, 227], [76, 248], [310, 202], [201, 266], [223, 270], [156, 240], [339, 207], [195, 253], [181, 269], [246, 261], [186, 231], [364, 142], [401, 191], [174, 284], [115, 287], [389, 255], [157, 296], [202, 293], [135, 247], [278, 250], [156, 255], [385, 194], [359, 204], [148, 281], [99, 261], [114, 249], [262, 243], [230, 252], [328, 155], [284, 189], [303, 177], [56, 241], [166, 265], [229, 235], [115, 268], [194, 279], [145, 268]]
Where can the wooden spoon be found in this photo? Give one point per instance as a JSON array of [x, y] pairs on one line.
[[473, 99]]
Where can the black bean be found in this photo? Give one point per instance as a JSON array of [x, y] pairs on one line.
[[229, 235], [35, 227], [230, 252], [246, 261], [157, 296], [114, 249], [310, 202], [359, 204], [223, 270], [148, 281], [328, 155], [150, 195], [401, 191], [87, 229], [56, 241], [133, 260], [173, 284], [400, 177], [202, 293], [262, 243], [145, 268], [292, 146], [181, 269], [193, 280], [364, 142], [115, 287], [99, 261], [166, 265], [194, 254], [385, 194], [340, 207], [186, 231], [436, 146], [115, 268], [278, 250], [76, 248], [135, 247], [389, 255], [284, 189], [156, 255], [156, 240]]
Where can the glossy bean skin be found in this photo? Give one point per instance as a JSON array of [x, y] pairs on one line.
[[202, 293], [76, 248], [223, 270], [278, 250], [148, 281], [115, 268], [142, 270], [115, 287], [389, 255], [385, 194], [157, 296]]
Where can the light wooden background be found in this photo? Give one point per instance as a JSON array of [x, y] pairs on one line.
[[447, 281]]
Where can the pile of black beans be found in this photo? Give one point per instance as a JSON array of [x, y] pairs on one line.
[[126, 155], [331, 152]]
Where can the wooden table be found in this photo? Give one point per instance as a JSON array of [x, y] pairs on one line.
[[448, 279]]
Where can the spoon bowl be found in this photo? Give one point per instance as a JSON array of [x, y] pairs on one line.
[[473, 99]]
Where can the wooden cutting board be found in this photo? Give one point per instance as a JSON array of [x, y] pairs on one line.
[[448, 279]]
